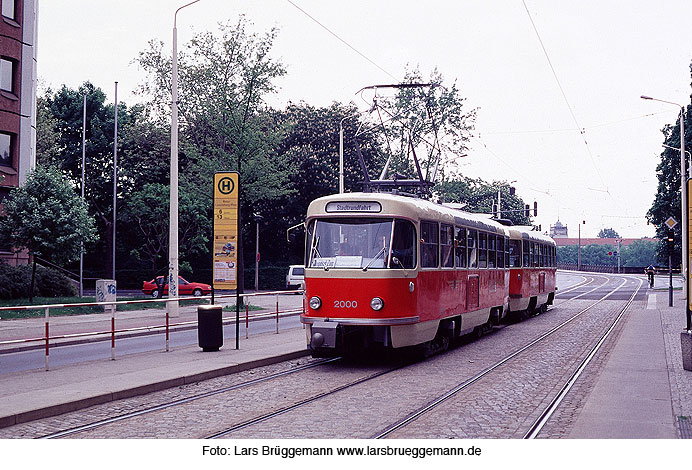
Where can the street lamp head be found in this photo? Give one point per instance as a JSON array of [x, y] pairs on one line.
[[644, 97]]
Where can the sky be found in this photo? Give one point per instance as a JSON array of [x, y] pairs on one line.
[[556, 83]]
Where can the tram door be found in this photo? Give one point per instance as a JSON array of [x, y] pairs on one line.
[[472, 297]]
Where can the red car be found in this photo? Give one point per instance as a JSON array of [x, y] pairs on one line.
[[153, 288]]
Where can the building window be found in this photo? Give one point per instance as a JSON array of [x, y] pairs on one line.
[[5, 149], [6, 69], [8, 10]]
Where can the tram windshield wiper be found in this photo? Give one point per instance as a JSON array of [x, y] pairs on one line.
[[382, 251]]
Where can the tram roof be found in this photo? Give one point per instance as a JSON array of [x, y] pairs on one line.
[[360, 204], [527, 232]]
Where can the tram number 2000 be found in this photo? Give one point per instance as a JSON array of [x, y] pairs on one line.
[[345, 304]]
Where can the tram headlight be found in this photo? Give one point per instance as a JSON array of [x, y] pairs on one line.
[[377, 304], [315, 303]]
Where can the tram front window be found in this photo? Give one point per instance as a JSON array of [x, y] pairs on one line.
[[358, 243]]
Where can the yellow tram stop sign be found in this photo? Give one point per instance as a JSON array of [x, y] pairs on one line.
[[225, 256]]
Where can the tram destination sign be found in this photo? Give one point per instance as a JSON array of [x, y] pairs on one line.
[[353, 207], [225, 255]]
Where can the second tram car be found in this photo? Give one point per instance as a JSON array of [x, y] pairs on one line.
[[390, 271], [532, 271]]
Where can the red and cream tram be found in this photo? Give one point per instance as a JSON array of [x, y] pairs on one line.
[[532, 271], [392, 271]]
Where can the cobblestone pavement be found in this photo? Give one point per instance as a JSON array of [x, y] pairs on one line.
[[674, 322]]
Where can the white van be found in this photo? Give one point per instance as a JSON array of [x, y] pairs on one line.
[[295, 279]]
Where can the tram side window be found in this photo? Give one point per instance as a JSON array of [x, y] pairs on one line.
[[539, 253], [447, 245], [534, 254], [460, 247], [482, 250], [501, 252], [473, 248], [515, 254], [429, 251], [526, 254], [492, 250], [404, 245]]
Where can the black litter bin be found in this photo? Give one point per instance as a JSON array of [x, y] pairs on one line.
[[209, 327]]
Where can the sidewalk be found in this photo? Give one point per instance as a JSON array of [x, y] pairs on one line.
[[643, 391]]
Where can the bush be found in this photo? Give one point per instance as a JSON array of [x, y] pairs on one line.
[[15, 282]]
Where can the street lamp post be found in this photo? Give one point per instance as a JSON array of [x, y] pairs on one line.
[[81, 245], [115, 174], [685, 336], [258, 219], [579, 247], [683, 195], [173, 307]]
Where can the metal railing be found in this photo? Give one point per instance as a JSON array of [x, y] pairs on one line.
[[167, 326]]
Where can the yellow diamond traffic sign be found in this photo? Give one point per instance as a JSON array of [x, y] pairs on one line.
[[671, 222]]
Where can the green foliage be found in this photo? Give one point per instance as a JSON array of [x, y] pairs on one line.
[[433, 120], [608, 233], [224, 79], [479, 196], [639, 253], [46, 217], [147, 216], [667, 200], [49, 283]]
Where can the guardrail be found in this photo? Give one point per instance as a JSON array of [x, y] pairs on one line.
[[167, 326]]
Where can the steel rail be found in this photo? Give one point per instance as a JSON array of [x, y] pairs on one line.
[[182, 401], [538, 425], [437, 401]]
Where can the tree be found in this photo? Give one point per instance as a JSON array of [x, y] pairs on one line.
[[479, 196], [667, 200], [432, 120], [149, 223], [640, 253], [47, 218], [608, 233], [142, 151], [225, 124]]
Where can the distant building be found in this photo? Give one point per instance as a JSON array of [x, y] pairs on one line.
[[558, 230], [18, 29]]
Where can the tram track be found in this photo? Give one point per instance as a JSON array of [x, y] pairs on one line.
[[554, 404]]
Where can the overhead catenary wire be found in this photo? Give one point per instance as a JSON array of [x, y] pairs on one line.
[[564, 96], [342, 40]]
